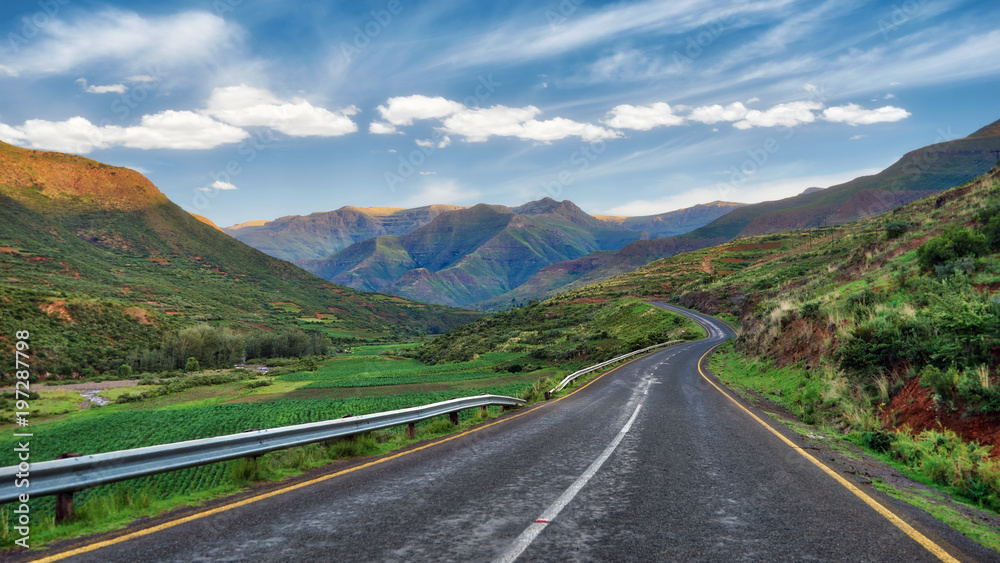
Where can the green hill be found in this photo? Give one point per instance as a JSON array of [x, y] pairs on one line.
[[96, 263]]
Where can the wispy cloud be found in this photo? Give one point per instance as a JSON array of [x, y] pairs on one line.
[[122, 38]]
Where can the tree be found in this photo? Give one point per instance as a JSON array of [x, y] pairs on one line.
[[192, 364]]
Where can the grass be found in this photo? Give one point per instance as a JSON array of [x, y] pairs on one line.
[[942, 508]]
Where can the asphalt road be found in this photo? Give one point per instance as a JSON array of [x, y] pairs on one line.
[[649, 462]]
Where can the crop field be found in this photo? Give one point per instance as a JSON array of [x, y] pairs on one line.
[[378, 381]]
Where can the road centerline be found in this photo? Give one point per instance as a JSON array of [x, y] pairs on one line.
[[531, 532]]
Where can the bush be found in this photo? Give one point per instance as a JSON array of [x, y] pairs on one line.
[[896, 228], [882, 343], [192, 364], [811, 310], [125, 371], [954, 243]]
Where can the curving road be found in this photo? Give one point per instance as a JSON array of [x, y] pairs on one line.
[[649, 462]]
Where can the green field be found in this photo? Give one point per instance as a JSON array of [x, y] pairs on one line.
[[381, 381]]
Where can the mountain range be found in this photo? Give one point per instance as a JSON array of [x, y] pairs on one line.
[[917, 174], [468, 255]]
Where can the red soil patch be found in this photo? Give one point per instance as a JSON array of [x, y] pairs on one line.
[[913, 407], [337, 310], [158, 261], [588, 300], [983, 287], [733, 260], [139, 314], [761, 246], [58, 309], [9, 250]]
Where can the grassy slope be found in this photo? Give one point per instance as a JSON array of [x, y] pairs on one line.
[[96, 262]]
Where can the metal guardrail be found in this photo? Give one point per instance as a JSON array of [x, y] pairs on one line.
[[571, 377], [83, 472]]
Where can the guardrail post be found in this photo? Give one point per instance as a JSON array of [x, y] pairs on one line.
[[64, 501], [548, 395], [454, 418], [411, 430]]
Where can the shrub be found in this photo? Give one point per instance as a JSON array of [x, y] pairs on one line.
[[896, 228], [956, 242], [192, 364], [883, 343], [125, 371], [811, 310]]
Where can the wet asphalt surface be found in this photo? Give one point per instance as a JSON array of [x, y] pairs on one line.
[[694, 479]]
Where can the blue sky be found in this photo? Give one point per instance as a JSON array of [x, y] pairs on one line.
[[254, 109]]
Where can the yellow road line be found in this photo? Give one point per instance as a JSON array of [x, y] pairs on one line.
[[889, 515], [276, 492]]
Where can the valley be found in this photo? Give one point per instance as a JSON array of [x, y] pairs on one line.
[[858, 329]]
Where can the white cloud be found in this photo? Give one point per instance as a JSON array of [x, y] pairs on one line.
[[785, 115], [889, 96], [108, 89], [141, 78], [381, 128], [559, 128], [853, 114], [125, 39], [716, 113], [403, 110], [175, 130], [246, 106], [478, 125], [856, 137], [753, 99], [429, 143], [165, 130], [643, 118], [220, 185]]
